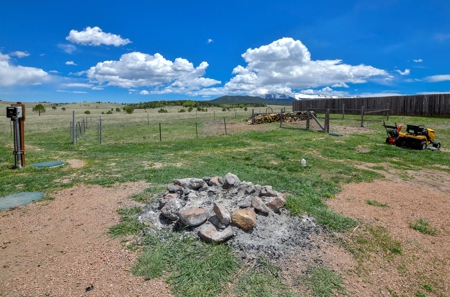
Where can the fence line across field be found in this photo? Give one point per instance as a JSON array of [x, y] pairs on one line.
[[146, 130]]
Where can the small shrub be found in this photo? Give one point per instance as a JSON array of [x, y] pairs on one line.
[[54, 107], [376, 203], [428, 288], [63, 108], [224, 109], [109, 112], [103, 112], [162, 110], [87, 112], [182, 110], [423, 227], [128, 109], [117, 109], [190, 109], [245, 108]]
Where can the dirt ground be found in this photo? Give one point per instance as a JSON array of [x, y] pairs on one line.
[[424, 259], [61, 247]]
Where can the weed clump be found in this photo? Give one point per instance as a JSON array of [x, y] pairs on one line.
[[423, 227]]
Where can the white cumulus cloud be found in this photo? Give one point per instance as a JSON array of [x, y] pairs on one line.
[[19, 75], [19, 54], [438, 78], [340, 85], [210, 40], [136, 69], [71, 63], [406, 72], [95, 36], [418, 60], [68, 48], [286, 64], [144, 92], [78, 85]]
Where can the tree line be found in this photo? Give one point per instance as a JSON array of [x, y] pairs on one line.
[[191, 104]]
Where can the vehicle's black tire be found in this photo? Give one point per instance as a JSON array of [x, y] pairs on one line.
[[423, 145], [387, 140], [437, 144], [399, 142]]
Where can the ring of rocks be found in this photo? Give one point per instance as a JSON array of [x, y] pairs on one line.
[[252, 219]]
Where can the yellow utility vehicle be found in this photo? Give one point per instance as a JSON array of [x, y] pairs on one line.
[[417, 137]]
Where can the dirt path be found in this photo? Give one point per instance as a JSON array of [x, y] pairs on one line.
[[61, 247], [424, 260]]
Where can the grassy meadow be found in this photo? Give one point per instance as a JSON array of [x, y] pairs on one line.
[[195, 144]]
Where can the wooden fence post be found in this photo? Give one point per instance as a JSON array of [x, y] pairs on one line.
[[327, 121], [343, 110], [387, 113], [281, 118], [362, 116], [307, 119]]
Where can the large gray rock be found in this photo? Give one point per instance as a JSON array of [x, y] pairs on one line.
[[244, 218], [216, 222], [230, 181], [173, 188], [223, 214], [215, 181], [193, 216], [258, 204], [209, 234], [190, 183], [171, 209], [277, 203], [268, 191]]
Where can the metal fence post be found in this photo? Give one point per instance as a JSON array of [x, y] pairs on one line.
[[160, 134], [73, 127], [100, 131], [225, 124]]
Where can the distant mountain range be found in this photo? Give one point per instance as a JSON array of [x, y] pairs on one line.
[[272, 99]]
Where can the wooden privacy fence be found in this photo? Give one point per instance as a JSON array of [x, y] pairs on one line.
[[416, 105]]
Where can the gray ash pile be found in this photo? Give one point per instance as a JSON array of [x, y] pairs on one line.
[[250, 218]]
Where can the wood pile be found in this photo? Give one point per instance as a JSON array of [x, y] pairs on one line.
[[288, 117]]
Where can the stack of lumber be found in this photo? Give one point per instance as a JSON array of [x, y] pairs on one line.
[[288, 117]]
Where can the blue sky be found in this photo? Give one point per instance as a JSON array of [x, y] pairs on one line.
[[137, 51]]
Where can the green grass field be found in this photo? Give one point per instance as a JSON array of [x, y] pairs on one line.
[[195, 145]]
